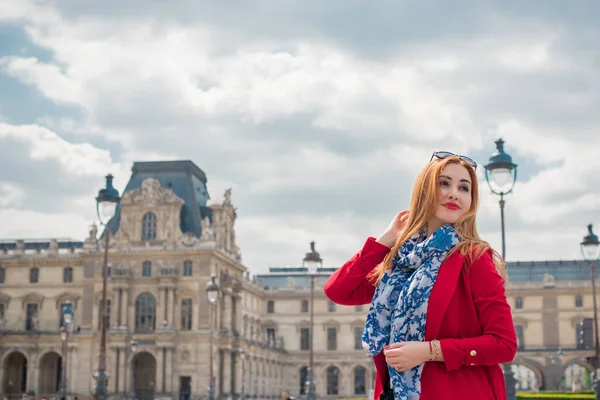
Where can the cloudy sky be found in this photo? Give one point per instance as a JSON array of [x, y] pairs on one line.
[[319, 114]]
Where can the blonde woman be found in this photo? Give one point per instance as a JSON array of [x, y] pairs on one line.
[[439, 323]]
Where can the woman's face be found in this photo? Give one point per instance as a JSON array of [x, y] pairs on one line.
[[454, 196]]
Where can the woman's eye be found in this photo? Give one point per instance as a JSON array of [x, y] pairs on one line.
[[444, 183], [465, 188]]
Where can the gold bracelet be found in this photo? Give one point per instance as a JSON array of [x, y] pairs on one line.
[[436, 346]]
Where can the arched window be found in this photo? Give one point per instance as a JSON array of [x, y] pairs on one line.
[[147, 268], [149, 226], [360, 380], [187, 268], [303, 379], [333, 376], [145, 313], [34, 275], [68, 275]]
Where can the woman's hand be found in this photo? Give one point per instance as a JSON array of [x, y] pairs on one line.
[[404, 356], [390, 235]]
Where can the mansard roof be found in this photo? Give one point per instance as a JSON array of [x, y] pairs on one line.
[[518, 271], [40, 244], [185, 179]]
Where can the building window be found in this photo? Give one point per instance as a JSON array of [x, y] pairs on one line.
[[270, 306], [331, 306], [145, 313], [304, 339], [149, 226], [358, 332], [34, 275], [107, 317], [360, 380], [147, 269], [61, 321], [68, 275], [187, 268], [2, 315], [333, 375], [303, 379], [245, 331], [186, 314], [578, 301], [518, 302], [331, 339], [520, 330], [31, 318], [585, 334], [358, 308], [2, 274], [271, 336], [304, 306]]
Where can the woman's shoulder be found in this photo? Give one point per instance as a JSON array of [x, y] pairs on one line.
[[479, 255]]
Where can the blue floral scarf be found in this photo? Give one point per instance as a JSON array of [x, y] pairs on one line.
[[398, 310]]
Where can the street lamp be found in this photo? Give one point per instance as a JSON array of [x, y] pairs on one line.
[[133, 345], [243, 359], [67, 323], [590, 248], [312, 262], [501, 175], [212, 292], [106, 207]]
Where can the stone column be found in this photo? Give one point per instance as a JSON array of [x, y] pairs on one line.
[[159, 370], [226, 312], [114, 309], [170, 369], [33, 372], [125, 307], [227, 372], [173, 308], [163, 315]]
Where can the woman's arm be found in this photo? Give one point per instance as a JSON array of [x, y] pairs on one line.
[[348, 285], [498, 343]]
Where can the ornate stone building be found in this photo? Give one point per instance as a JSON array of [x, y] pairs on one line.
[[164, 243]]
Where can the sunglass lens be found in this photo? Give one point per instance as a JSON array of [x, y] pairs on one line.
[[443, 154]]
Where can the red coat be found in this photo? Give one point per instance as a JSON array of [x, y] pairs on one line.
[[467, 312]]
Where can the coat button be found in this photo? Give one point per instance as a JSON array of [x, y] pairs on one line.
[[473, 353]]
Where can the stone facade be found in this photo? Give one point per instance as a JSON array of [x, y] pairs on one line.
[[158, 273]]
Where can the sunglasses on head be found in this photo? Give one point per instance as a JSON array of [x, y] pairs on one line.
[[445, 154]]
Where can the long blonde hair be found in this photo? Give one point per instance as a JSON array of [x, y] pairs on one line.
[[423, 205]]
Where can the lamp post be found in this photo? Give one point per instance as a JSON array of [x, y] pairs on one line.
[[243, 359], [67, 323], [312, 262], [212, 292], [590, 248], [501, 175], [106, 207], [133, 345]]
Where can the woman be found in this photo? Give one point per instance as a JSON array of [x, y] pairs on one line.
[[439, 323]]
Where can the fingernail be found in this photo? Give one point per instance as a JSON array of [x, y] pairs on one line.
[[386, 347]]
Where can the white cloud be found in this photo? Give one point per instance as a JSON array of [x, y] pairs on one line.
[[80, 159], [319, 138], [17, 224], [10, 194]]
